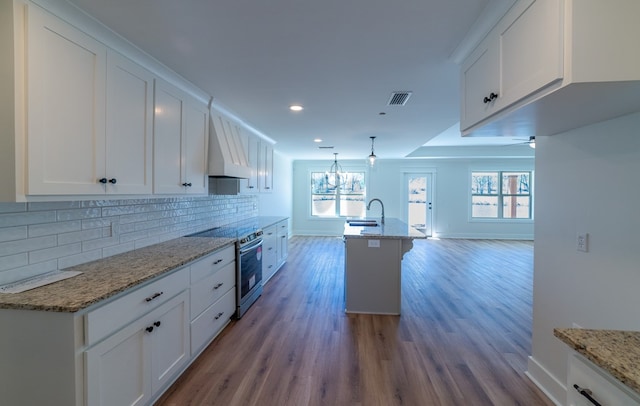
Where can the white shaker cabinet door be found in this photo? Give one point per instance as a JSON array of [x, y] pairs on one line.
[[129, 126], [118, 369], [167, 139], [66, 105], [196, 144]]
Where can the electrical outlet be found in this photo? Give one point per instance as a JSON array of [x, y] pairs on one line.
[[582, 242]]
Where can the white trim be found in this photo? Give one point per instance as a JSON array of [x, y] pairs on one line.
[[547, 383]]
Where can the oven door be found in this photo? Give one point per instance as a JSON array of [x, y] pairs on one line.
[[250, 272]]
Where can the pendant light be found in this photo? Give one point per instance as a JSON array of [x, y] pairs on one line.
[[335, 169], [372, 156]]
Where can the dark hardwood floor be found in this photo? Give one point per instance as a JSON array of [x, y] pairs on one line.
[[463, 337]]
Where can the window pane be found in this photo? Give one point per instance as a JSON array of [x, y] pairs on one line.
[[352, 205], [323, 205], [352, 182], [323, 183], [484, 206], [515, 183], [484, 183], [516, 207]]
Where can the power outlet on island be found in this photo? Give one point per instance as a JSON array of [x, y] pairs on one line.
[[582, 242]]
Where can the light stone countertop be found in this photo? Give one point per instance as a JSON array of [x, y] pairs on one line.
[[392, 229], [617, 352], [107, 277]]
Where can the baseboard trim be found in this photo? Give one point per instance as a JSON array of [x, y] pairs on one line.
[[547, 383]]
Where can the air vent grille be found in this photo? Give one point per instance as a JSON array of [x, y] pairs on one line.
[[399, 98], [328, 147]]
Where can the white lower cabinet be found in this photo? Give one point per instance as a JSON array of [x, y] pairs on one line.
[[596, 383], [274, 248], [129, 367], [126, 350], [213, 296]]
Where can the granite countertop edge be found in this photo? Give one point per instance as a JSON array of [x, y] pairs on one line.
[[104, 278], [615, 351]]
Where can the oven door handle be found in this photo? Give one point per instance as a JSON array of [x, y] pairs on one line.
[[244, 250]]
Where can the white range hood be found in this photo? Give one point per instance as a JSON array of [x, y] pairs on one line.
[[227, 150]]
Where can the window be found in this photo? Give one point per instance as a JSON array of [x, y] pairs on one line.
[[337, 195], [501, 195]]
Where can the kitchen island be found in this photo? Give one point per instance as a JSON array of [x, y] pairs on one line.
[[373, 264]]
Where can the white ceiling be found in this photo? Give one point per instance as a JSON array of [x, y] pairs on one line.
[[341, 59]]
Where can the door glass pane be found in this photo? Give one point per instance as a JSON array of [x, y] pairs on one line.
[[418, 202]]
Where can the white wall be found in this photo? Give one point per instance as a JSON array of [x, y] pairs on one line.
[[451, 198], [587, 181]]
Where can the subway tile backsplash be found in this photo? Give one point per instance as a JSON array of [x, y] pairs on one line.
[[39, 237]]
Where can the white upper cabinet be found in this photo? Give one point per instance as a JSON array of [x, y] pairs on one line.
[[480, 84], [250, 185], [180, 142], [129, 126], [66, 82], [81, 112], [550, 65], [265, 167], [521, 55], [530, 43], [196, 141]]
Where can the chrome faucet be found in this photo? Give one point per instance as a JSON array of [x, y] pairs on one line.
[[381, 205]]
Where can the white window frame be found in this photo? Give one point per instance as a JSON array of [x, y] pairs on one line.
[[500, 196], [336, 215]]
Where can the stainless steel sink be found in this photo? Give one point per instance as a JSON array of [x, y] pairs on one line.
[[362, 223]]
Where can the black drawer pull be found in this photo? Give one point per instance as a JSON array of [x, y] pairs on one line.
[[157, 323], [218, 286], [219, 315], [155, 295], [587, 394], [217, 261], [149, 329]]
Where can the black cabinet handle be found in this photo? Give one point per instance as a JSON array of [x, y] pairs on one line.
[[102, 180], [157, 323], [155, 295], [217, 261], [218, 286], [490, 98], [187, 184], [149, 329], [587, 394], [112, 181], [218, 315]]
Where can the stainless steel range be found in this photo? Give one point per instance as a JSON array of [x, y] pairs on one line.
[[248, 261]]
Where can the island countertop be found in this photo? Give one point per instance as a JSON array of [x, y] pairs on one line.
[[392, 228], [107, 277], [617, 352]]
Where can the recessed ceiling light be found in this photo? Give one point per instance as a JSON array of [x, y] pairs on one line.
[[296, 107], [317, 140]]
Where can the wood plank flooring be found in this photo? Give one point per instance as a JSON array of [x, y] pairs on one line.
[[463, 337]]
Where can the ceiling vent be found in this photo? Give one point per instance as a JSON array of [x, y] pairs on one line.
[[399, 98], [331, 147]]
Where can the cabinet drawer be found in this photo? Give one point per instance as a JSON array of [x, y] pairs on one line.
[[211, 321], [212, 263], [112, 316], [206, 291], [604, 388]]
